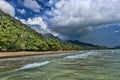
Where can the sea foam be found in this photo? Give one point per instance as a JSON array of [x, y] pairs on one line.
[[83, 55], [33, 65]]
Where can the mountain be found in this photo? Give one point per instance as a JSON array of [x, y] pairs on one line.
[[16, 36], [117, 47], [82, 43], [86, 45]]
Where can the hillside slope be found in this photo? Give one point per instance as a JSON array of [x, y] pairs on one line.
[[15, 36]]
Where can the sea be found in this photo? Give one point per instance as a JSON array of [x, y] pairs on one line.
[[80, 65]]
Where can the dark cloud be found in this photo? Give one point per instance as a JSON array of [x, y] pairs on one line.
[[80, 15], [105, 35]]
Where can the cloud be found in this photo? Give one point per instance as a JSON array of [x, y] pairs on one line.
[[78, 17], [51, 1], [32, 4], [6, 7], [21, 11], [104, 35], [117, 31], [36, 23]]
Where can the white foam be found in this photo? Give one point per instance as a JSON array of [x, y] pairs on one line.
[[83, 55], [112, 51], [33, 65]]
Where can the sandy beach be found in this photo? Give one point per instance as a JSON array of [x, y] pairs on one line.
[[27, 53], [19, 59]]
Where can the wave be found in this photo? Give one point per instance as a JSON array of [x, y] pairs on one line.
[[33, 65], [83, 55]]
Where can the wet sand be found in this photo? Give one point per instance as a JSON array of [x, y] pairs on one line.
[[28, 53]]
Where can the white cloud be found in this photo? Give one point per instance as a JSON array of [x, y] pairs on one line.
[[6, 7], [79, 15], [51, 1], [22, 11], [36, 23], [32, 4], [117, 31]]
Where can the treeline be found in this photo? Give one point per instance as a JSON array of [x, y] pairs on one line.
[[15, 36]]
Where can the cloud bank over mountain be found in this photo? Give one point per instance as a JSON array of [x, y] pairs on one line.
[[83, 15], [84, 20]]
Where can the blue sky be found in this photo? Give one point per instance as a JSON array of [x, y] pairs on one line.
[[92, 21]]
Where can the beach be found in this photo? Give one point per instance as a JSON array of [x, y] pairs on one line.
[[29, 53], [81, 65], [18, 59]]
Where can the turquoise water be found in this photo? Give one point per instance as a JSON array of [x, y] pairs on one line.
[[88, 65]]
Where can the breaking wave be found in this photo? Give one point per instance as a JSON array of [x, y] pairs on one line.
[[33, 65], [83, 55]]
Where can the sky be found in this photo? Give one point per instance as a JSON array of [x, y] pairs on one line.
[[91, 21]]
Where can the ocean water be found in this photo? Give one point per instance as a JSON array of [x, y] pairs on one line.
[[86, 65]]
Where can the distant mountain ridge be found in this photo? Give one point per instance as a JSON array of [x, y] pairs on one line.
[[117, 47], [82, 43], [87, 45], [77, 42]]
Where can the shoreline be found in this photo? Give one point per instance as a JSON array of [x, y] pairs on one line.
[[19, 59], [29, 53]]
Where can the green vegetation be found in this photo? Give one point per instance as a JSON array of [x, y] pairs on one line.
[[15, 36]]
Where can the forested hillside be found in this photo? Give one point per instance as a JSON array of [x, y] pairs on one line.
[[16, 36]]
